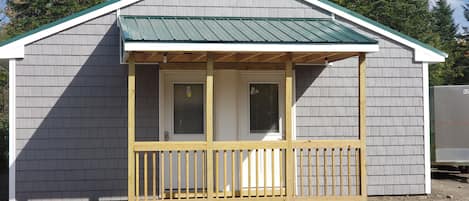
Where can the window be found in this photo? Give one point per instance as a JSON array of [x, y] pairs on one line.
[[188, 109], [263, 108]]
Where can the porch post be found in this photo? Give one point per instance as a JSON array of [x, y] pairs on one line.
[[362, 122], [131, 129], [209, 124], [290, 162]]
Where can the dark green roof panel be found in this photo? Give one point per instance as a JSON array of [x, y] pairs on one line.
[[237, 30]]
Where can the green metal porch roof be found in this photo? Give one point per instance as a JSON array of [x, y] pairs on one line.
[[237, 30]]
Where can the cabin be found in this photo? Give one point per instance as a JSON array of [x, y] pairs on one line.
[[217, 100]]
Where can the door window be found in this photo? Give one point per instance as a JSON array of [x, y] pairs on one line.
[[188, 109], [263, 108]]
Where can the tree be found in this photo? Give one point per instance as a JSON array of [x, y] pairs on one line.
[[28, 15], [443, 24]]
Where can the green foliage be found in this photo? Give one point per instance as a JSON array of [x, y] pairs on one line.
[[26, 15], [3, 118]]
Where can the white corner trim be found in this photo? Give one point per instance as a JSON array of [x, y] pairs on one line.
[[236, 47], [421, 54], [18, 46], [426, 128], [12, 130]]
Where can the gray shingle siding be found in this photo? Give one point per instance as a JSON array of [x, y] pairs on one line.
[[327, 100], [72, 114], [244, 8], [72, 105]]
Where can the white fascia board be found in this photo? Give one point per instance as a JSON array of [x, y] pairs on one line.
[[12, 130], [11, 52], [426, 128], [237, 47], [18, 46], [421, 54]]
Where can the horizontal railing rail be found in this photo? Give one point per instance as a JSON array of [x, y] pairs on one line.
[[256, 170]]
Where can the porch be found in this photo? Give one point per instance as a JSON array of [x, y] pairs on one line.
[[273, 169]]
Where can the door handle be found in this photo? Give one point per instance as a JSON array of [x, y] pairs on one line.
[[166, 136]]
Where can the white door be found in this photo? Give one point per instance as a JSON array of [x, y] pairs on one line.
[[183, 107], [261, 113]]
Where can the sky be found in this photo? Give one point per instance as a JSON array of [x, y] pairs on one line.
[[455, 4]]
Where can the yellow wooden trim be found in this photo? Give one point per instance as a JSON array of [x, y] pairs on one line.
[[131, 130], [362, 120], [326, 143], [209, 123], [169, 146], [243, 145], [290, 162]]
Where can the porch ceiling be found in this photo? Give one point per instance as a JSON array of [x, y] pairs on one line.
[[240, 57]]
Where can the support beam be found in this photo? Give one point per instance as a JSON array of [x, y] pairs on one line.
[[362, 122], [131, 129], [209, 124], [290, 162]]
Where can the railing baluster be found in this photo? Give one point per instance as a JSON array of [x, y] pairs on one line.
[[171, 175], [349, 185], [325, 172], [145, 176], [233, 173], [301, 171], [187, 174], [196, 181], [333, 171], [137, 176], [162, 195], [249, 173], [241, 158], [265, 172], [273, 171], [281, 168], [217, 175], [179, 174], [153, 184], [204, 177], [341, 173], [257, 172], [357, 170], [317, 171], [310, 173], [224, 174]]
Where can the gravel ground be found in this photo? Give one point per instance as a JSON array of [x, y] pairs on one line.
[[446, 185]]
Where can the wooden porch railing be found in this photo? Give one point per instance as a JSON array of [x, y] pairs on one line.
[[209, 170], [325, 170]]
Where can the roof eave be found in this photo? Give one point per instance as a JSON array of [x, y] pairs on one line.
[[14, 47], [423, 52], [247, 47]]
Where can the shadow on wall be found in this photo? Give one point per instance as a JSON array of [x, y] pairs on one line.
[[72, 135]]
